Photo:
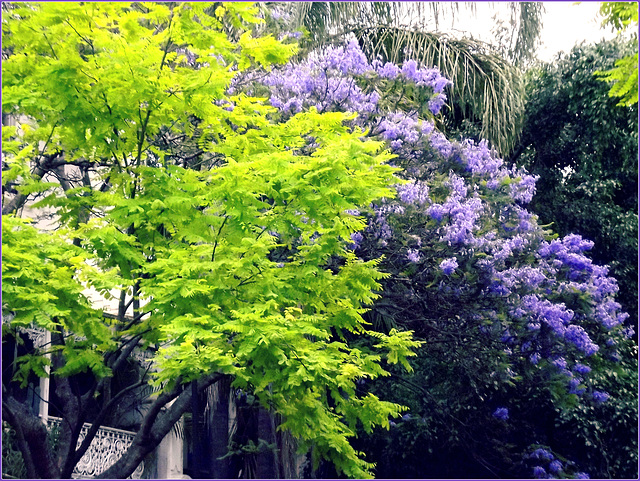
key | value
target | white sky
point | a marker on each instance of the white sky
(565, 24)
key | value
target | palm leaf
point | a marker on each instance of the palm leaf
(527, 19)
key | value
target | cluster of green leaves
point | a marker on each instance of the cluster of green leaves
(624, 75)
(12, 462)
(239, 266)
(42, 286)
(116, 73)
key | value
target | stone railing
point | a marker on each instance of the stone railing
(105, 450)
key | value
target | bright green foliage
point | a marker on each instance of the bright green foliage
(41, 285)
(625, 80)
(241, 265)
(621, 16)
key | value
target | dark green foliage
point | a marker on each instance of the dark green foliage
(12, 462)
(613, 452)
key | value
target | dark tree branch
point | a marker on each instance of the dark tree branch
(95, 426)
(19, 200)
(156, 426)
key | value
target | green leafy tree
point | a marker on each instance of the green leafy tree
(220, 232)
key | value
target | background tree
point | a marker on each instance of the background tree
(624, 75)
(227, 256)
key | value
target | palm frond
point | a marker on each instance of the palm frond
(326, 20)
(486, 87)
(529, 25)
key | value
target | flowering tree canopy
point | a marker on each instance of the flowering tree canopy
(473, 274)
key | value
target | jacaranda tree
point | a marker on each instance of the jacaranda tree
(220, 230)
(519, 326)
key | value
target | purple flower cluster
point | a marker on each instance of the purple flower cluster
(544, 458)
(413, 255)
(447, 266)
(600, 396)
(413, 192)
(399, 128)
(421, 77)
(484, 165)
(326, 80)
(501, 413)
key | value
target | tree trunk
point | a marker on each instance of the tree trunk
(218, 423)
(266, 459)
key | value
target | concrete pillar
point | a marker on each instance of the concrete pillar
(169, 457)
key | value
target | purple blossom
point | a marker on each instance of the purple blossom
(560, 363)
(413, 255)
(414, 192)
(464, 216)
(457, 185)
(525, 189)
(410, 70)
(436, 211)
(389, 70)
(542, 453)
(441, 144)
(479, 158)
(555, 466)
(399, 126)
(574, 386)
(579, 337)
(356, 237)
(556, 316)
(575, 243)
(285, 35)
(539, 472)
(426, 127)
(436, 103)
(581, 368)
(449, 265)
(600, 396)
(501, 413)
